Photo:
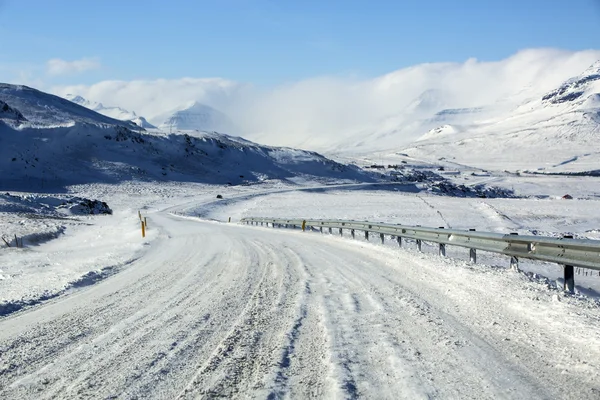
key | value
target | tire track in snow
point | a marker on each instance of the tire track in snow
(237, 312)
(253, 347)
(416, 344)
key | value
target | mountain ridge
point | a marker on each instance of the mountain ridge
(64, 144)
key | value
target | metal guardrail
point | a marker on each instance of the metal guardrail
(566, 250)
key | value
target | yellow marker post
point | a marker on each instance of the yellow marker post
(303, 226)
(143, 230)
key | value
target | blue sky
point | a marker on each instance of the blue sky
(271, 42)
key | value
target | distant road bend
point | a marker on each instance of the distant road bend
(223, 310)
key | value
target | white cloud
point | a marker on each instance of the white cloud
(56, 66)
(315, 113)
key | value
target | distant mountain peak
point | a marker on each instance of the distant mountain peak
(76, 99)
(113, 112)
(198, 116)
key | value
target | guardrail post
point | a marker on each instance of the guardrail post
(569, 274)
(382, 237)
(321, 229)
(442, 247)
(419, 245)
(514, 261)
(473, 252)
(341, 232)
(399, 240)
(330, 232)
(352, 233)
(367, 236)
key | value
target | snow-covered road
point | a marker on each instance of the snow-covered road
(216, 309)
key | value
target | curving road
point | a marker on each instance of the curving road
(223, 310)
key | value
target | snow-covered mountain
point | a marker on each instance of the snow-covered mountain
(113, 112)
(556, 132)
(197, 117)
(59, 143)
(547, 131)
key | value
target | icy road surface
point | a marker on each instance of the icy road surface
(236, 311)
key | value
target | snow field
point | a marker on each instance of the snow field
(206, 308)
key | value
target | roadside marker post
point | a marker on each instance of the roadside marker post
(143, 229)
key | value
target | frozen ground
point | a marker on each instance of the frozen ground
(203, 308)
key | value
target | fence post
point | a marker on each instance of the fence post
(442, 247)
(569, 275)
(473, 252)
(514, 261)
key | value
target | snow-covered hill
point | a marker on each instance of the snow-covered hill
(544, 131)
(197, 117)
(62, 143)
(45, 110)
(556, 132)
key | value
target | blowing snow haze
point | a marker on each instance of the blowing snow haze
(333, 113)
